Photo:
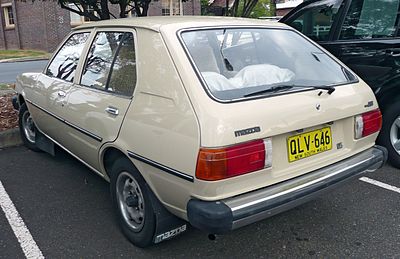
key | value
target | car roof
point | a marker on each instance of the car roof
(181, 22)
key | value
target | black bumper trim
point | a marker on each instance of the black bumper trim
(214, 217)
(232, 213)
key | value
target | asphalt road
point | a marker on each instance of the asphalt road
(9, 71)
(68, 211)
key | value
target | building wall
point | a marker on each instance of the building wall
(190, 7)
(285, 6)
(154, 8)
(283, 12)
(42, 25)
(2, 39)
(11, 41)
(57, 24)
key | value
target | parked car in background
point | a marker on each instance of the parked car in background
(194, 120)
(365, 35)
(270, 18)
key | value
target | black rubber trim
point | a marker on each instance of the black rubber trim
(385, 154)
(161, 167)
(14, 101)
(87, 133)
(214, 217)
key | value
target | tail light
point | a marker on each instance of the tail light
(367, 123)
(221, 163)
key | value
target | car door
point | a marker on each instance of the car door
(363, 34)
(367, 40)
(49, 97)
(97, 104)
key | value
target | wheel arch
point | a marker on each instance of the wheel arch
(387, 98)
(21, 99)
(111, 153)
(108, 156)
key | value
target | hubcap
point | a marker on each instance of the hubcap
(130, 201)
(394, 135)
(28, 126)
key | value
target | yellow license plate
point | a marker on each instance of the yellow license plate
(309, 144)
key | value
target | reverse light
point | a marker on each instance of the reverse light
(367, 123)
(221, 163)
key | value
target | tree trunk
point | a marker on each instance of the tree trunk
(104, 10)
(272, 7)
(122, 9)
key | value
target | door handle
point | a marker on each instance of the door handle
(61, 94)
(395, 52)
(112, 110)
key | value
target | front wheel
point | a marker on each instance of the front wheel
(131, 198)
(27, 128)
(389, 136)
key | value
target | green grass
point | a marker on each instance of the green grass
(10, 54)
(6, 86)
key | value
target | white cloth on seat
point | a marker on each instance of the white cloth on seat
(253, 75)
(217, 82)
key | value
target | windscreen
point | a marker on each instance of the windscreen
(237, 62)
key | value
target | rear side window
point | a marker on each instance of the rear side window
(111, 64)
(64, 64)
(369, 19)
(316, 22)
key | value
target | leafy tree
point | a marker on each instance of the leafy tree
(243, 8)
(261, 9)
(253, 8)
(204, 6)
(97, 10)
(272, 7)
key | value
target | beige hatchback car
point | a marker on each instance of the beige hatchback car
(217, 122)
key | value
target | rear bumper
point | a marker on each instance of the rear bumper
(235, 212)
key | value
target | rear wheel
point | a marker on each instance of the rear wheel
(389, 136)
(131, 198)
(27, 128)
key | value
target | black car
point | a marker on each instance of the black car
(365, 35)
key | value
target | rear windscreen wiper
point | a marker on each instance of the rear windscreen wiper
(278, 88)
(270, 90)
(330, 89)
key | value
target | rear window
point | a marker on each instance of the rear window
(234, 63)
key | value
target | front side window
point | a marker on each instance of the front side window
(64, 64)
(111, 65)
(369, 19)
(237, 62)
(316, 22)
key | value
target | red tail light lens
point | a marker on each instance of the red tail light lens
(368, 123)
(216, 164)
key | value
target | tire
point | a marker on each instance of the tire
(389, 136)
(131, 199)
(27, 128)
